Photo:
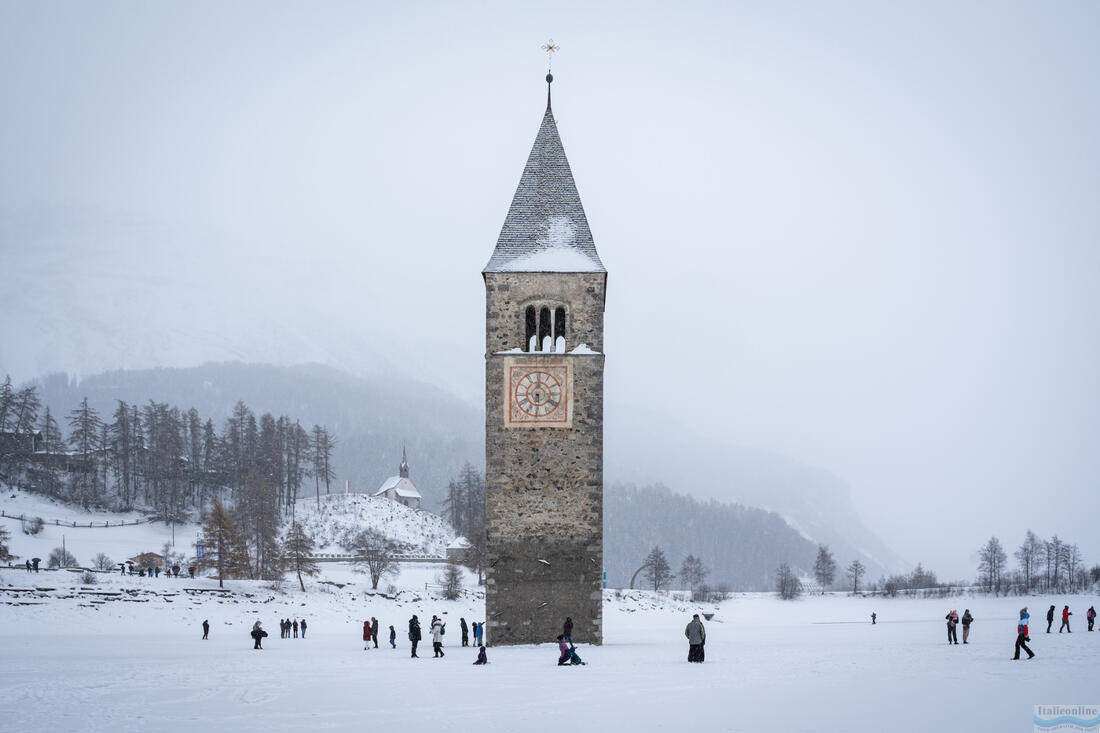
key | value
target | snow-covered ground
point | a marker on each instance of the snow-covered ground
(125, 655)
(137, 663)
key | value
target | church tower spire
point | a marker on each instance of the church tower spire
(403, 470)
(544, 368)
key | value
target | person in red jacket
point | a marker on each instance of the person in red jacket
(1065, 621)
(366, 635)
(1022, 634)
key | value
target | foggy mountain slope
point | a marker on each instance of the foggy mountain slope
(371, 418)
(642, 447)
(740, 546)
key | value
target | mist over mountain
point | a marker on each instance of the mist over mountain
(373, 418)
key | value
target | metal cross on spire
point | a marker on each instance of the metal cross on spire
(550, 48)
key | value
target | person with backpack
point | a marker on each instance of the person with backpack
(414, 634)
(952, 619)
(366, 635)
(481, 657)
(374, 630)
(258, 635)
(393, 638)
(438, 629)
(1050, 617)
(697, 638)
(465, 632)
(1022, 636)
(1065, 621)
(967, 619)
(1090, 616)
(205, 629)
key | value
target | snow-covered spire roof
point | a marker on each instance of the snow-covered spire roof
(403, 469)
(546, 229)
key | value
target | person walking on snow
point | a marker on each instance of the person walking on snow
(567, 629)
(1050, 618)
(414, 633)
(1090, 616)
(366, 635)
(303, 628)
(205, 629)
(374, 630)
(393, 638)
(967, 619)
(294, 625)
(952, 619)
(465, 632)
(697, 638)
(437, 637)
(873, 617)
(1065, 621)
(1022, 634)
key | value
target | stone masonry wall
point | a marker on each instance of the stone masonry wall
(544, 485)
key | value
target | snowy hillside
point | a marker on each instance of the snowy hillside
(113, 534)
(117, 536)
(418, 532)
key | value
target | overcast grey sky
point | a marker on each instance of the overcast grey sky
(861, 234)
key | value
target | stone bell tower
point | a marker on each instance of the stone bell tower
(544, 303)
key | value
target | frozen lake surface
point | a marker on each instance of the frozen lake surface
(815, 664)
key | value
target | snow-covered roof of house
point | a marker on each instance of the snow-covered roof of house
(402, 485)
(460, 543)
(546, 229)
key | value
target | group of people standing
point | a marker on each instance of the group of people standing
(953, 621)
(290, 626)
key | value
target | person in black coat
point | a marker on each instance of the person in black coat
(414, 633)
(1050, 618)
(205, 629)
(258, 634)
(567, 629)
(465, 631)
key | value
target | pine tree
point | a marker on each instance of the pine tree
(84, 439)
(298, 553)
(658, 572)
(824, 567)
(222, 538)
(855, 572)
(52, 445)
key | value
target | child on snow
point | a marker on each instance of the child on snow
(481, 658)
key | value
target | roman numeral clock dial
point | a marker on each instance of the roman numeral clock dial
(538, 394)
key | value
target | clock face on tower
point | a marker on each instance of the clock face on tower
(538, 393)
